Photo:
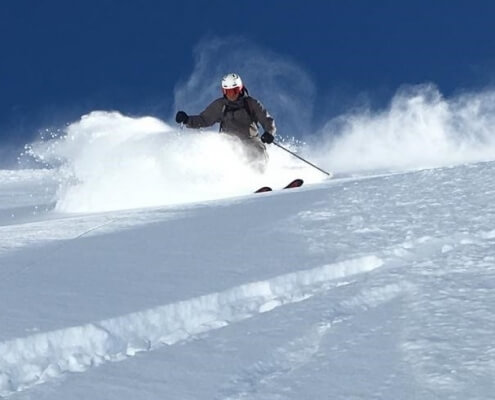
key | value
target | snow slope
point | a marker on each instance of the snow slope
(377, 287)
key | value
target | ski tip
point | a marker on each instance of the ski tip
(263, 189)
(294, 184)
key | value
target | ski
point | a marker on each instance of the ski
(264, 189)
(294, 184)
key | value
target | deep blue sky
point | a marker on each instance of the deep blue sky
(61, 59)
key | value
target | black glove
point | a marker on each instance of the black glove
(181, 117)
(267, 138)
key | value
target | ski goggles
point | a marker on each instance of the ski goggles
(233, 91)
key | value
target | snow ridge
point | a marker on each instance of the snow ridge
(35, 359)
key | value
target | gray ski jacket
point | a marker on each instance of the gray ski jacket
(239, 118)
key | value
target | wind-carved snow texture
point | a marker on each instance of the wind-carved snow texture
(450, 260)
(450, 357)
(42, 357)
(254, 381)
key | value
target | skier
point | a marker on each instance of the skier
(238, 115)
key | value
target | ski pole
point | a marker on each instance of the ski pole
(302, 159)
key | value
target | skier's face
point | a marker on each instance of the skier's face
(232, 94)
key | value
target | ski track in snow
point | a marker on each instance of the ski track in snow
(255, 381)
(17, 236)
(45, 356)
(445, 357)
(438, 246)
(425, 263)
(424, 345)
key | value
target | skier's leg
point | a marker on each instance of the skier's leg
(257, 156)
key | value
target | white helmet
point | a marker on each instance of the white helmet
(231, 81)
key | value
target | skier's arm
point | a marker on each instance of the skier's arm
(262, 116)
(211, 115)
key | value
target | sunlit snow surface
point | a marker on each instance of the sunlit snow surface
(139, 265)
(377, 287)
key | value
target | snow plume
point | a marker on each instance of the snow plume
(420, 129)
(280, 84)
(108, 161)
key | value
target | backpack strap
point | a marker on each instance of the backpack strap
(250, 110)
(224, 111)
